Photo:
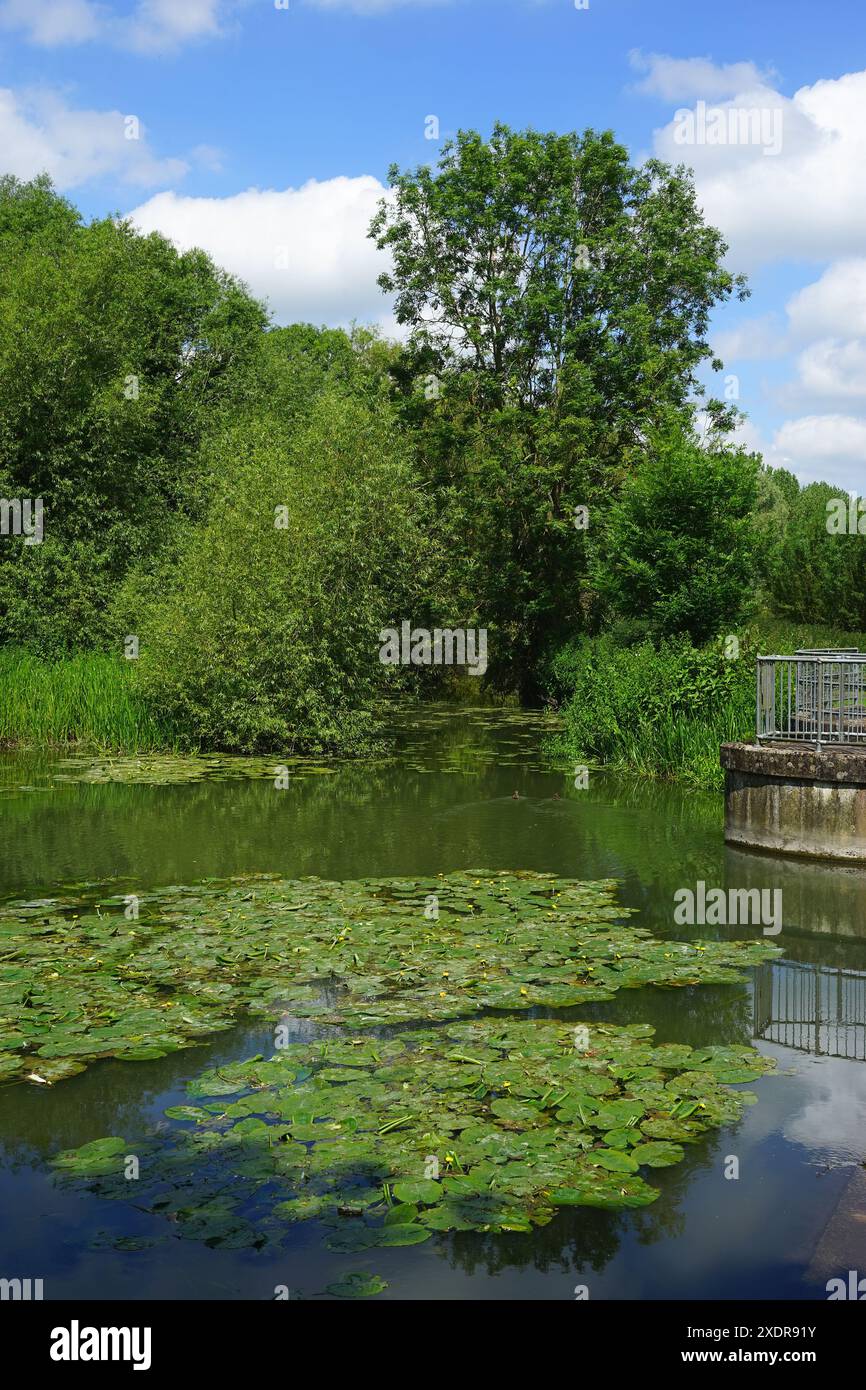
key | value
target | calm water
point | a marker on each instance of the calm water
(786, 1225)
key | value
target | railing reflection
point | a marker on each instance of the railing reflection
(811, 1008)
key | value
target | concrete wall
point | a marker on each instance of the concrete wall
(796, 800)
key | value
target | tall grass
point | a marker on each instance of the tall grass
(682, 748)
(663, 711)
(88, 698)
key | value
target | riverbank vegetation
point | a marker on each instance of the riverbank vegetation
(663, 708)
(88, 697)
(232, 511)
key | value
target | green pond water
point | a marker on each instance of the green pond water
(82, 831)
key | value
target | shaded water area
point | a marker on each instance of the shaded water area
(444, 801)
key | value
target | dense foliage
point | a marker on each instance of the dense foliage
(677, 551)
(812, 573)
(559, 298)
(253, 505)
(268, 624)
(115, 351)
(663, 709)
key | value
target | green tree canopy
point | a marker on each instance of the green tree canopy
(814, 574)
(115, 352)
(677, 551)
(559, 298)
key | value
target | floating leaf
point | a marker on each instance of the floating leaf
(353, 1168)
(658, 1154)
(357, 1285)
(422, 1190)
(615, 1160)
(96, 985)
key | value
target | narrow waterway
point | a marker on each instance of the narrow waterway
(445, 801)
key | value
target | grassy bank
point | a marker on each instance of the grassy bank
(89, 698)
(663, 711)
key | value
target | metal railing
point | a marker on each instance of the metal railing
(811, 1008)
(814, 696)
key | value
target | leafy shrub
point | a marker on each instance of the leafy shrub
(663, 710)
(267, 636)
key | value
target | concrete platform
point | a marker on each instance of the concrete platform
(788, 799)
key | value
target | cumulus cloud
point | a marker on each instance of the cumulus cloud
(830, 370)
(825, 329)
(827, 448)
(40, 132)
(305, 250)
(153, 26)
(63, 22)
(825, 326)
(834, 305)
(678, 79)
(159, 24)
(801, 195)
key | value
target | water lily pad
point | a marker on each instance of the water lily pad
(422, 1190)
(658, 1154)
(99, 1156)
(359, 1179)
(357, 1285)
(88, 983)
(614, 1160)
(404, 1233)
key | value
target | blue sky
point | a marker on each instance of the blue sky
(265, 133)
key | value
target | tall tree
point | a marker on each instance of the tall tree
(558, 299)
(115, 353)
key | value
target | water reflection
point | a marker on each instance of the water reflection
(811, 1008)
(445, 803)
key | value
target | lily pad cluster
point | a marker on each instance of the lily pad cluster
(78, 984)
(163, 769)
(484, 1125)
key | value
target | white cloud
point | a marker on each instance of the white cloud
(159, 24)
(678, 79)
(153, 26)
(208, 157)
(304, 249)
(834, 305)
(829, 370)
(826, 394)
(40, 132)
(63, 21)
(828, 448)
(807, 201)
